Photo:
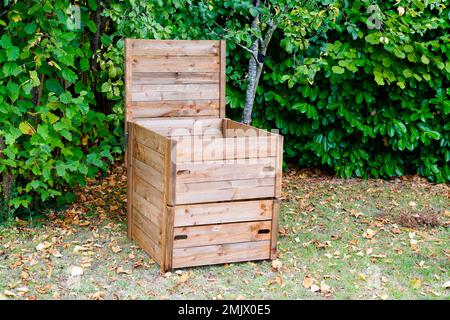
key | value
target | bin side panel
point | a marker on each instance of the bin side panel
(147, 191)
(174, 78)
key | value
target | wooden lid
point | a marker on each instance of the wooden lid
(174, 78)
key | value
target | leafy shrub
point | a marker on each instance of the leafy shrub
(53, 135)
(362, 101)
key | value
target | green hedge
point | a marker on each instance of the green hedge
(363, 102)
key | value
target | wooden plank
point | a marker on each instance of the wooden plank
(279, 167)
(174, 64)
(223, 77)
(168, 92)
(185, 237)
(150, 138)
(223, 212)
(152, 230)
(168, 218)
(175, 108)
(149, 174)
(168, 240)
(175, 47)
(128, 82)
(149, 157)
(149, 192)
(275, 221)
(170, 127)
(205, 149)
(223, 253)
(204, 171)
(148, 209)
(202, 192)
(237, 129)
(147, 244)
(158, 78)
(130, 180)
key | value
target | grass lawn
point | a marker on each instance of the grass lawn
(339, 239)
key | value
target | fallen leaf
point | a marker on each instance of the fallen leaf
(324, 288)
(416, 283)
(99, 295)
(44, 245)
(116, 249)
(369, 233)
(277, 264)
(315, 288)
(9, 293)
(308, 282)
(76, 271)
(121, 270)
(183, 278)
(77, 249)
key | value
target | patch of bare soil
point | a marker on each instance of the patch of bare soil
(424, 218)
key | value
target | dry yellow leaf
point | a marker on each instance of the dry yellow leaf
(307, 282)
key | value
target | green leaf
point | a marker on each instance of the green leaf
(424, 59)
(13, 90)
(69, 75)
(26, 128)
(338, 70)
(12, 53)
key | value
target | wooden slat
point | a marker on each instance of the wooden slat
(150, 139)
(130, 179)
(183, 127)
(228, 148)
(223, 212)
(174, 64)
(212, 234)
(158, 78)
(233, 252)
(168, 217)
(175, 108)
(146, 243)
(224, 190)
(279, 167)
(275, 221)
(152, 230)
(128, 82)
(168, 92)
(170, 48)
(149, 157)
(204, 171)
(223, 77)
(148, 209)
(149, 174)
(149, 192)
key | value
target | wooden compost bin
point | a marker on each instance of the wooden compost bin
(202, 189)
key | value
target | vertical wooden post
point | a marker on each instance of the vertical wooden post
(275, 217)
(223, 78)
(130, 179)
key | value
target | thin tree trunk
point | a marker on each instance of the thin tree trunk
(7, 178)
(255, 68)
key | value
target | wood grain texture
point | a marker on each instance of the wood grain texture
(223, 253)
(189, 74)
(222, 212)
(175, 108)
(177, 48)
(223, 77)
(275, 222)
(130, 179)
(185, 237)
